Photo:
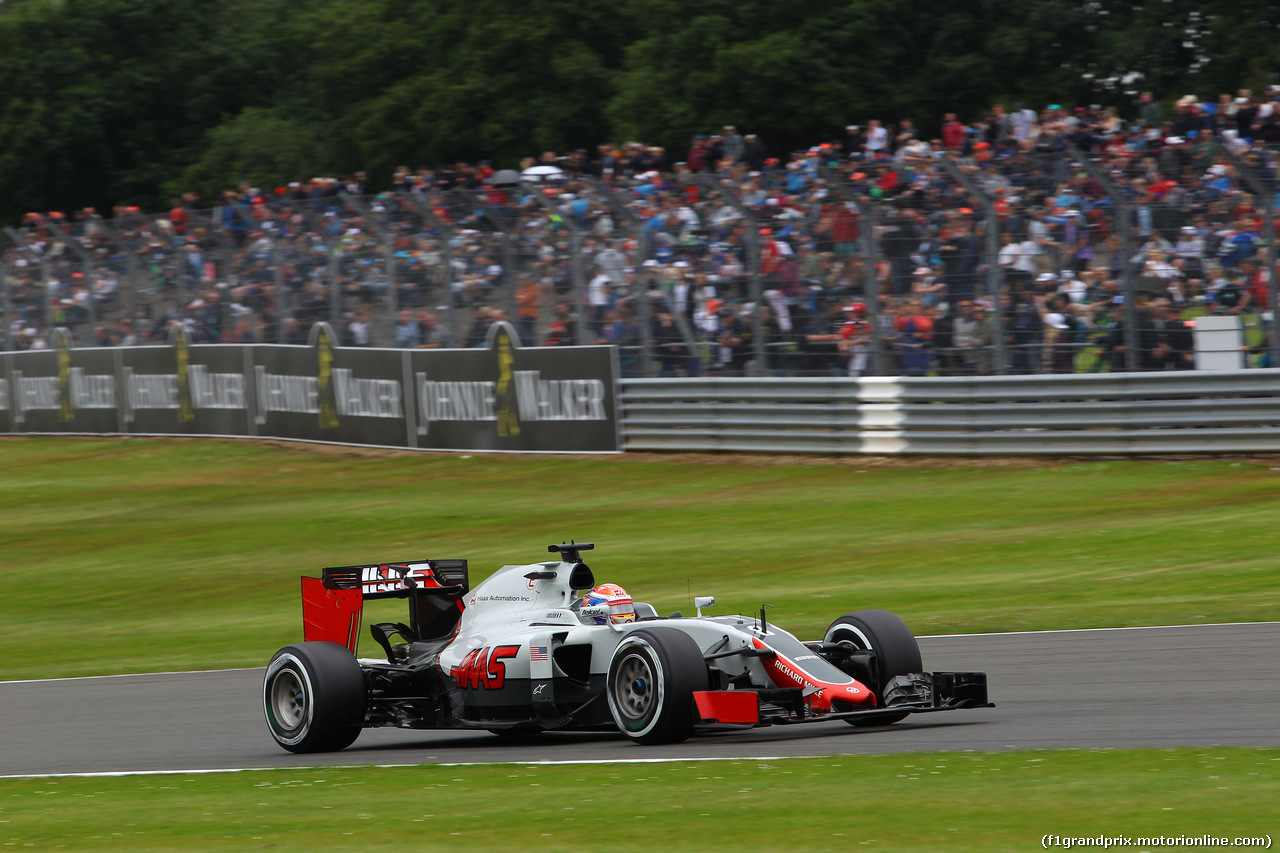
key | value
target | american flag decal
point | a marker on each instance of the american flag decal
(537, 653)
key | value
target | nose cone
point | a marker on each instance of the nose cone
(847, 697)
(856, 693)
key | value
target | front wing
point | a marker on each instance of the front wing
(917, 693)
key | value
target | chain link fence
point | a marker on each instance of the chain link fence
(1011, 259)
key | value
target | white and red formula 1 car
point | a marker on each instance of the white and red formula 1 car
(521, 653)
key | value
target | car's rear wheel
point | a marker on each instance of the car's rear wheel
(897, 652)
(652, 677)
(314, 697)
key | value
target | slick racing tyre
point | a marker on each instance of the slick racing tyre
(314, 697)
(889, 637)
(652, 677)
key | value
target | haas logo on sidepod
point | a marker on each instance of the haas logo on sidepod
(480, 668)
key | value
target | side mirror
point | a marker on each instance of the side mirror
(704, 601)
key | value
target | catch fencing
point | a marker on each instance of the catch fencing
(729, 273)
(1101, 414)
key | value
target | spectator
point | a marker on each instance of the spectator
(528, 310)
(754, 152)
(433, 334)
(944, 345)
(698, 158)
(668, 344)
(877, 139)
(973, 336)
(1148, 111)
(954, 134)
(1060, 327)
(854, 142)
(960, 257)
(1024, 329)
(734, 341)
(408, 333)
(1044, 249)
(1023, 123)
(822, 341)
(731, 144)
(855, 338)
(915, 339)
(927, 286)
(358, 329)
(1165, 340)
(1016, 259)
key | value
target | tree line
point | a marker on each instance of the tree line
(110, 102)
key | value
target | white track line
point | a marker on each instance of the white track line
(129, 674)
(1093, 630)
(325, 767)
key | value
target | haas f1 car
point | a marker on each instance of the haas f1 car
(523, 653)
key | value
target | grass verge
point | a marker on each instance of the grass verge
(926, 801)
(129, 555)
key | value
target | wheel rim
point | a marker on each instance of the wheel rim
(288, 699)
(633, 691)
(848, 632)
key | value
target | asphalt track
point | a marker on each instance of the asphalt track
(1209, 685)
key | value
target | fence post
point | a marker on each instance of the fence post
(1126, 250)
(385, 234)
(8, 303)
(645, 315)
(136, 295)
(870, 282)
(509, 222)
(445, 240)
(86, 264)
(230, 278)
(575, 257)
(277, 278)
(755, 286)
(1268, 195)
(992, 237)
(331, 267)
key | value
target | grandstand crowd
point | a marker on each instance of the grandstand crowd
(862, 254)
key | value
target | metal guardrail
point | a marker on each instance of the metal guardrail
(1173, 412)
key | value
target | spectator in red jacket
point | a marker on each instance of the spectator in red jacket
(953, 133)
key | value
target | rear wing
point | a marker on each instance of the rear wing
(333, 603)
(402, 579)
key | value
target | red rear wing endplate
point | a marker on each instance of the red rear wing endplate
(330, 614)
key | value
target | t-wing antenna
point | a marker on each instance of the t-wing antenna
(569, 553)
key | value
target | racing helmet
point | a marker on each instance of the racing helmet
(856, 307)
(620, 607)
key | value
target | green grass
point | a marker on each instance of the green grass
(926, 801)
(142, 555)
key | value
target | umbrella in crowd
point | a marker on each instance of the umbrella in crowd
(542, 173)
(503, 178)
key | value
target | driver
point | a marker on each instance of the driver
(620, 607)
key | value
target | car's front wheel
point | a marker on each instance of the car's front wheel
(314, 697)
(895, 646)
(652, 678)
